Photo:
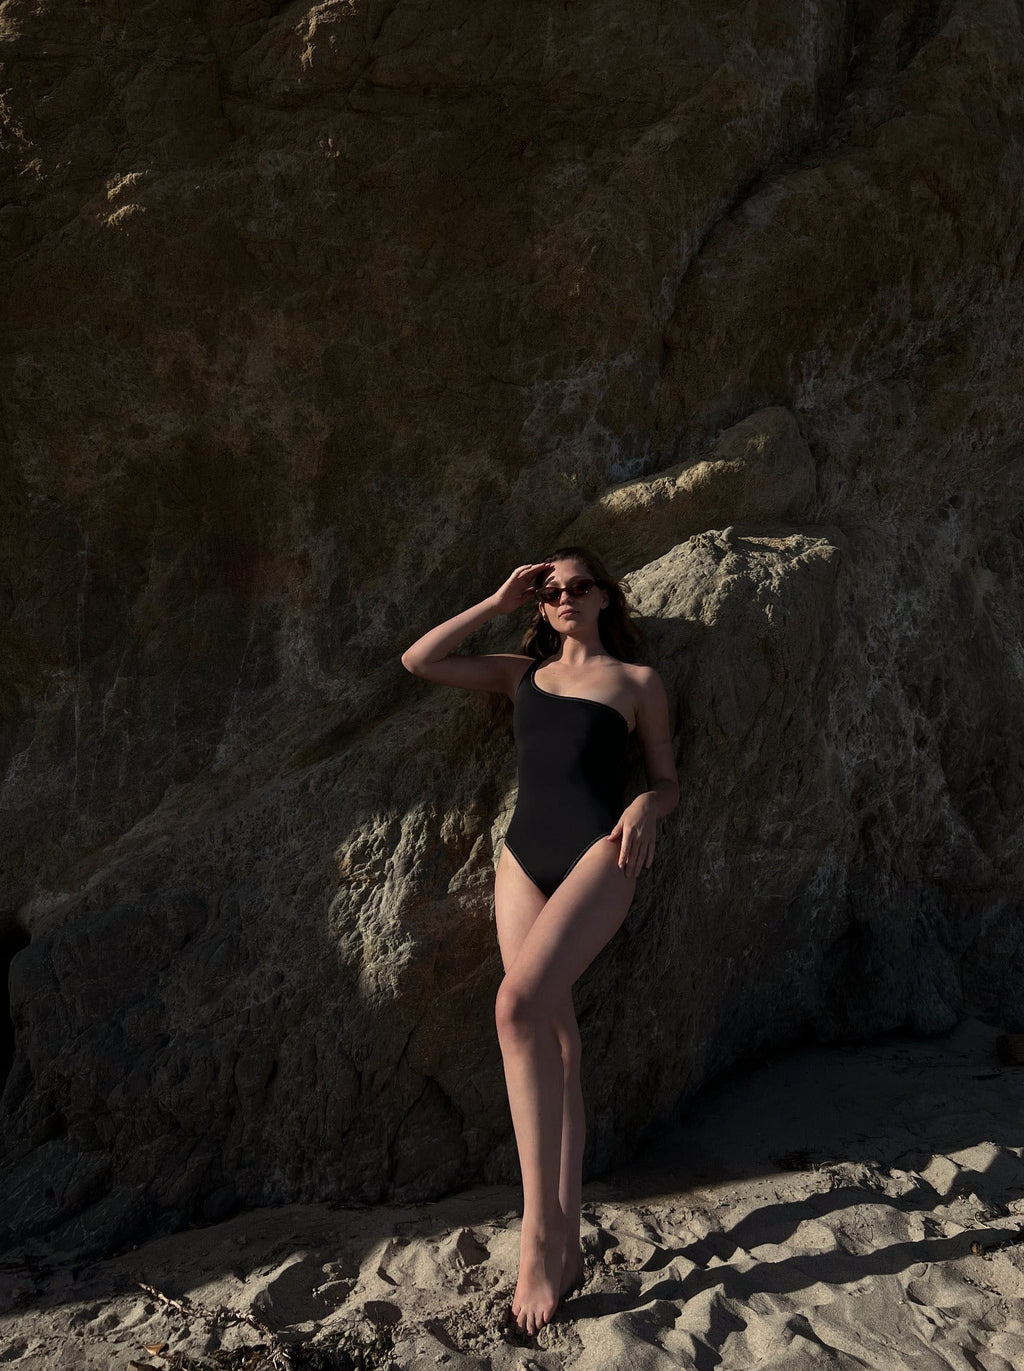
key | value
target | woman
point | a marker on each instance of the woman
(568, 867)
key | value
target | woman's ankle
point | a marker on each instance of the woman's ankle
(545, 1232)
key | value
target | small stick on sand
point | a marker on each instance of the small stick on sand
(189, 1309)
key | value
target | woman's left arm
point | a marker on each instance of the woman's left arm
(636, 828)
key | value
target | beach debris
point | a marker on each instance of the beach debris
(803, 1159)
(1012, 1238)
(278, 1355)
(341, 1350)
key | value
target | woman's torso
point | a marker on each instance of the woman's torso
(571, 749)
(572, 778)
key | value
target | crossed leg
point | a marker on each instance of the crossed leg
(545, 946)
(517, 904)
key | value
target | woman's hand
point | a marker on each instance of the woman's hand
(518, 588)
(636, 830)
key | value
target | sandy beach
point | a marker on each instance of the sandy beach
(843, 1207)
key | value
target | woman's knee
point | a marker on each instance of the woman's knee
(518, 1007)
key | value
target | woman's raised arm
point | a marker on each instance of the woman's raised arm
(434, 658)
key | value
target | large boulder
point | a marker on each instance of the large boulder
(318, 319)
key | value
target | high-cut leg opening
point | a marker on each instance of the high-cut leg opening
(533, 879)
(526, 870)
(592, 843)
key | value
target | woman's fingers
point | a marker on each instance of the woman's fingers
(522, 576)
(626, 855)
(635, 854)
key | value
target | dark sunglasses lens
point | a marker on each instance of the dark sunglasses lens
(551, 595)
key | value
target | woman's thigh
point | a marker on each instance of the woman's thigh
(572, 927)
(517, 903)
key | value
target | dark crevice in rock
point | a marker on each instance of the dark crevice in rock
(12, 941)
(869, 59)
(920, 29)
(876, 56)
(223, 81)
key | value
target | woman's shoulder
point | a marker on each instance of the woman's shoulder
(647, 687)
(640, 674)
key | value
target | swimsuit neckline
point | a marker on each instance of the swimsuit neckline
(580, 699)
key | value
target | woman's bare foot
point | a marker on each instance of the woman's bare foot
(572, 1267)
(540, 1270)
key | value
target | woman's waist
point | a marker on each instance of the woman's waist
(553, 798)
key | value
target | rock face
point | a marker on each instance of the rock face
(318, 319)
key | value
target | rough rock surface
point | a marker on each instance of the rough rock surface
(318, 318)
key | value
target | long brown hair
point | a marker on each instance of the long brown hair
(615, 627)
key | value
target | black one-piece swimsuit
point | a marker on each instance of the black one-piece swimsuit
(572, 779)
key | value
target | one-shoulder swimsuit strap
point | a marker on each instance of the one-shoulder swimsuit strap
(572, 778)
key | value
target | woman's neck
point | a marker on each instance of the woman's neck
(576, 653)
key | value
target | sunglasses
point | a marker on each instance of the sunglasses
(550, 595)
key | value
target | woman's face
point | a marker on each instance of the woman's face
(571, 613)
